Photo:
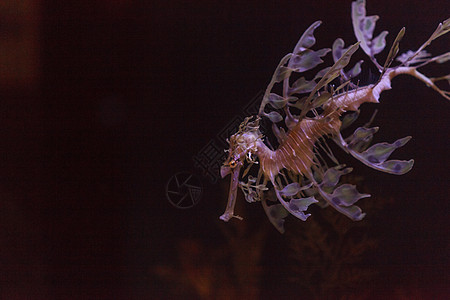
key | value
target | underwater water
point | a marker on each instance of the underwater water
(131, 92)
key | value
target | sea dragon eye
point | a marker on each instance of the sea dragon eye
(233, 163)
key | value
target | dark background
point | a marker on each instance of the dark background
(131, 90)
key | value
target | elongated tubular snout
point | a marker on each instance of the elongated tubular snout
(229, 212)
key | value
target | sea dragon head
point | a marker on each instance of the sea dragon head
(243, 147)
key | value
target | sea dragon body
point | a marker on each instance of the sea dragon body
(295, 169)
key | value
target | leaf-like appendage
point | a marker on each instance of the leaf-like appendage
(398, 167)
(341, 63)
(299, 103)
(332, 176)
(279, 133)
(442, 29)
(446, 77)
(307, 40)
(347, 195)
(355, 71)
(338, 45)
(302, 85)
(290, 122)
(274, 117)
(367, 26)
(361, 138)
(251, 196)
(276, 214)
(307, 59)
(375, 157)
(406, 58)
(353, 212)
(324, 97)
(343, 198)
(349, 119)
(301, 204)
(282, 73)
(338, 49)
(378, 153)
(394, 49)
(443, 58)
(364, 26)
(334, 71)
(277, 101)
(322, 73)
(379, 43)
(297, 206)
(291, 189)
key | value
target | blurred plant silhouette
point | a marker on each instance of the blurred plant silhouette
(328, 251)
(227, 271)
(320, 257)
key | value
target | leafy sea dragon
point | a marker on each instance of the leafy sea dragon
(296, 174)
